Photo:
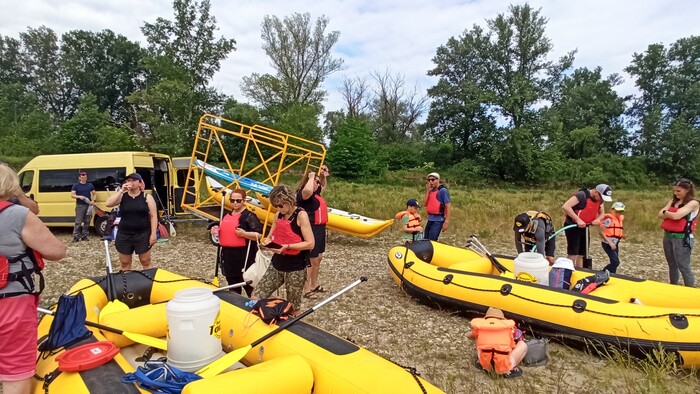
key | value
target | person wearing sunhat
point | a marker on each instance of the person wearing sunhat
(611, 232)
(437, 206)
(534, 228)
(411, 221)
(499, 344)
(139, 220)
(84, 195)
(583, 209)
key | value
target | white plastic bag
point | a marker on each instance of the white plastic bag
(256, 271)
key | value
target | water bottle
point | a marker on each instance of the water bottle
(250, 303)
(215, 234)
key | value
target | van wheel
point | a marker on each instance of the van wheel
(100, 223)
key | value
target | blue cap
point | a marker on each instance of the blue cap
(412, 203)
(134, 176)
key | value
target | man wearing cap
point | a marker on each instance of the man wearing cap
(437, 205)
(611, 232)
(139, 220)
(84, 195)
(499, 344)
(534, 228)
(411, 220)
(584, 208)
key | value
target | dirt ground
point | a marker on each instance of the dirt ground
(381, 317)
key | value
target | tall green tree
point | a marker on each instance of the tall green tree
(666, 113)
(352, 155)
(105, 64)
(183, 57)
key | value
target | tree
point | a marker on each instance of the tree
(591, 114)
(395, 110)
(355, 92)
(301, 57)
(352, 153)
(106, 65)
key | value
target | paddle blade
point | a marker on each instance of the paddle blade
(112, 307)
(146, 340)
(224, 362)
(215, 281)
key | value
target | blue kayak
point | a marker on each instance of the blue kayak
(230, 177)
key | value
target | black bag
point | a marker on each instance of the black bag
(536, 352)
(273, 310)
(590, 283)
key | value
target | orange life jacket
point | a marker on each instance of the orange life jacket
(679, 225)
(285, 233)
(413, 218)
(227, 232)
(321, 214)
(587, 210)
(614, 230)
(494, 340)
(434, 206)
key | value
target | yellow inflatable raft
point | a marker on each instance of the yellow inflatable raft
(299, 359)
(630, 313)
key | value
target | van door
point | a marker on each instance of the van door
(162, 184)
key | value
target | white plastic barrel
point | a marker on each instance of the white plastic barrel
(194, 337)
(534, 264)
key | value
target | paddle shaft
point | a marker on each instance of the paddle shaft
(111, 290)
(215, 367)
(495, 262)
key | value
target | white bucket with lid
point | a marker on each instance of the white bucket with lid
(194, 336)
(533, 264)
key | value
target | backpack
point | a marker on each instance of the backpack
(560, 278)
(273, 310)
(590, 283)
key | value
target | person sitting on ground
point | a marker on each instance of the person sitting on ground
(611, 234)
(410, 218)
(499, 343)
(533, 228)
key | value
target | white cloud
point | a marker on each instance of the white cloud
(400, 35)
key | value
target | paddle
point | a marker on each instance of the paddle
(216, 367)
(215, 281)
(114, 305)
(493, 260)
(140, 338)
(588, 260)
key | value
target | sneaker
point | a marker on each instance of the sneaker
(76, 239)
(84, 238)
(514, 373)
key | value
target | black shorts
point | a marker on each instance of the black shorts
(576, 241)
(126, 243)
(319, 240)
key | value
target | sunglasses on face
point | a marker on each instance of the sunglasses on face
(432, 179)
(237, 200)
(279, 206)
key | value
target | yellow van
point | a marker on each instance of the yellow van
(48, 179)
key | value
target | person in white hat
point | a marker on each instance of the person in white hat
(437, 206)
(584, 208)
(611, 232)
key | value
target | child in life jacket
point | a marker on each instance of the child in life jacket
(411, 221)
(611, 232)
(496, 346)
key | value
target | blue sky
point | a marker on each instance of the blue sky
(400, 36)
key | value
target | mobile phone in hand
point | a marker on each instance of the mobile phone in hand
(272, 245)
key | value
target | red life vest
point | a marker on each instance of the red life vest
(679, 225)
(321, 214)
(494, 339)
(25, 274)
(413, 219)
(284, 233)
(434, 206)
(587, 210)
(615, 228)
(227, 232)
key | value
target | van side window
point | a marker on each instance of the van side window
(106, 178)
(146, 174)
(25, 180)
(53, 181)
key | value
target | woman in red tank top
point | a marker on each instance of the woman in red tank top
(290, 239)
(238, 235)
(679, 219)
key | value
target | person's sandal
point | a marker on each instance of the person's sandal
(514, 373)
